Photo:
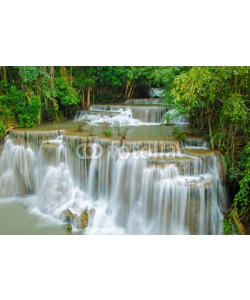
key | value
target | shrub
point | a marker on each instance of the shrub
(122, 130)
(23, 107)
(106, 129)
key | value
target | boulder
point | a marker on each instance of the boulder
(83, 219)
(69, 227)
(70, 216)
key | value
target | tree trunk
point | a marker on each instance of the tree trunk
(39, 116)
(93, 95)
(83, 101)
(52, 77)
(88, 95)
(130, 91)
(4, 74)
(210, 131)
(127, 90)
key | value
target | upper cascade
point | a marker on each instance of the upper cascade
(143, 101)
(124, 114)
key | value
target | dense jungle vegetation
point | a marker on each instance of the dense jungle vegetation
(217, 100)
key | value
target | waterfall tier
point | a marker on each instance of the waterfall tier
(135, 187)
(143, 101)
(132, 115)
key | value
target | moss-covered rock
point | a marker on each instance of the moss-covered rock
(69, 227)
(69, 215)
(83, 220)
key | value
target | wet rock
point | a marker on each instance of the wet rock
(70, 216)
(83, 220)
(69, 227)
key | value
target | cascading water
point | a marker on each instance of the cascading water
(16, 170)
(131, 115)
(174, 117)
(134, 187)
(195, 143)
(143, 101)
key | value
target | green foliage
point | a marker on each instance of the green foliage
(106, 129)
(24, 107)
(2, 128)
(217, 101)
(242, 199)
(29, 74)
(179, 134)
(167, 118)
(66, 95)
(6, 117)
(28, 117)
(171, 115)
(235, 110)
(229, 227)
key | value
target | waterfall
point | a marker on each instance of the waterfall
(134, 187)
(195, 143)
(132, 115)
(174, 117)
(16, 170)
(143, 101)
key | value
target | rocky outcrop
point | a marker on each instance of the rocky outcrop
(83, 220)
(69, 215)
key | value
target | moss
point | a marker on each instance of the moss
(69, 227)
(84, 219)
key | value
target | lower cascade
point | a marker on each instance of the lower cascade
(105, 186)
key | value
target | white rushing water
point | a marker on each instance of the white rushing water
(134, 187)
(123, 115)
(174, 117)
